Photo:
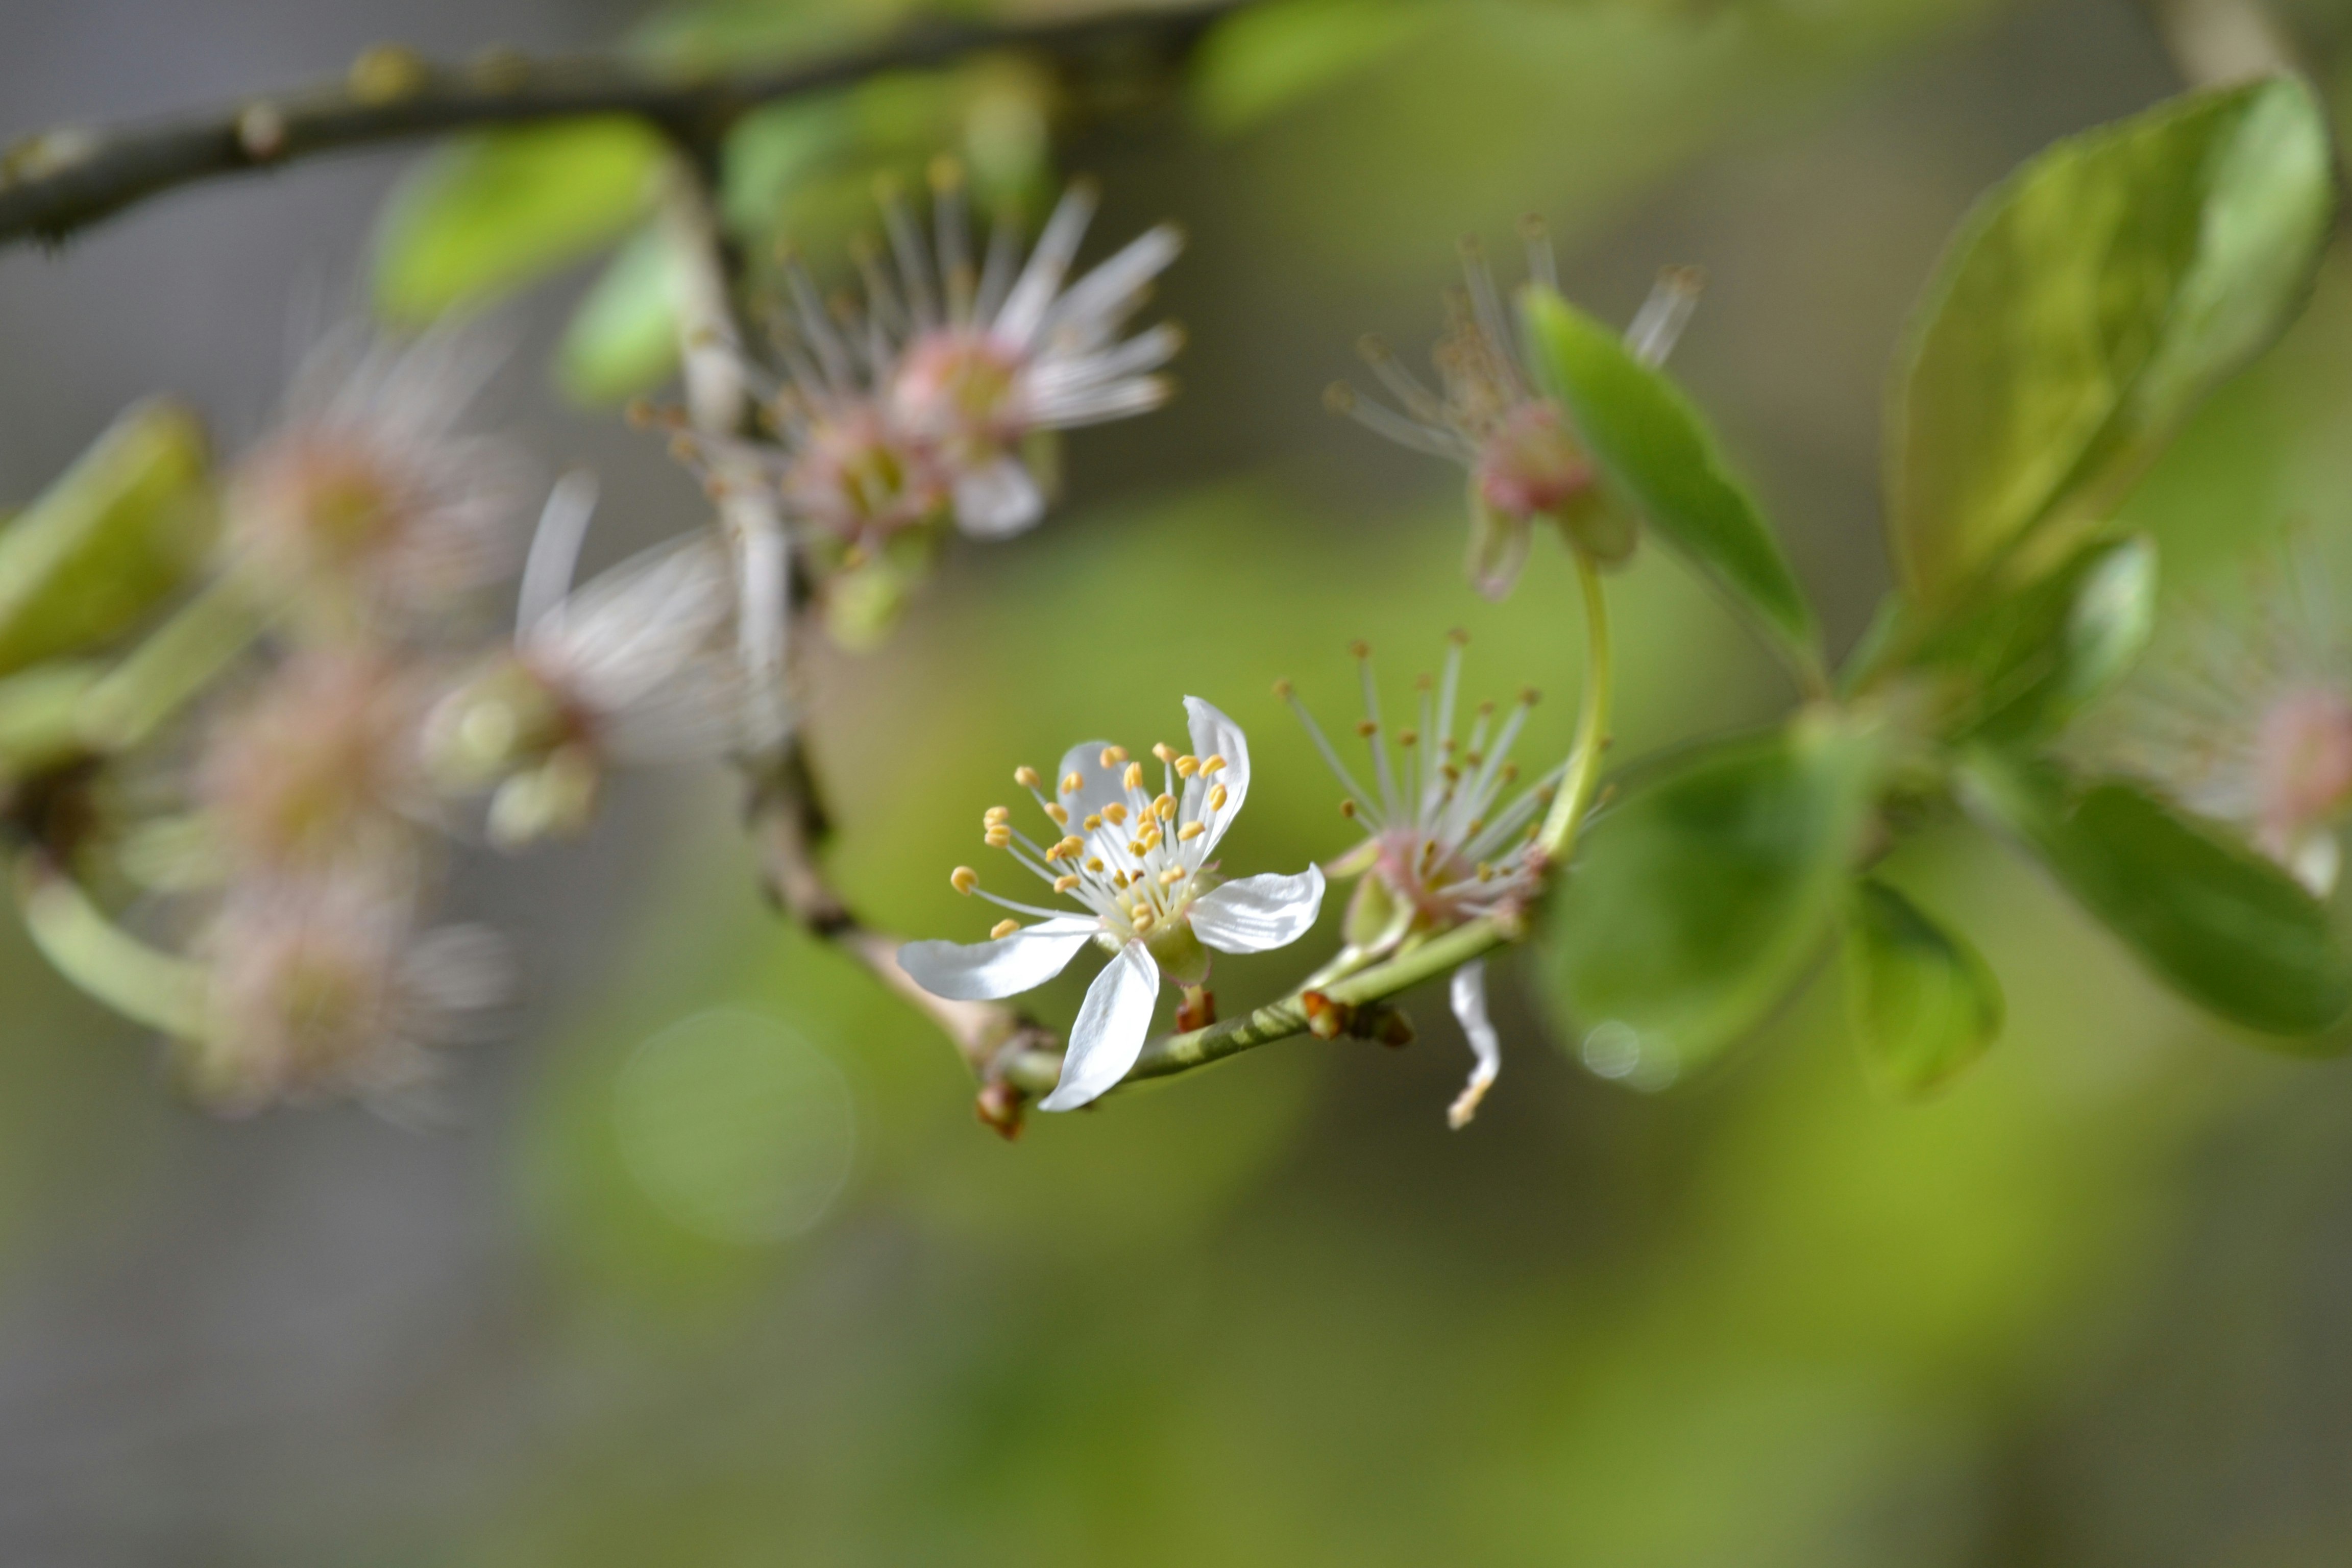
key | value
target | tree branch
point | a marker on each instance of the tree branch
(59, 181)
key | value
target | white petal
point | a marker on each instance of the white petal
(1214, 735)
(1108, 1035)
(1025, 307)
(1469, 998)
(984, 971)
(998, 500)
(1097, 786)
(1259, 914)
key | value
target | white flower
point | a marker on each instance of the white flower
(1523, 458)
(368, 507)
(1449, 837)
(2246, 716)
(990, 359)
(1138, 862)
(632, 668)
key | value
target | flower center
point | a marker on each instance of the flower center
(2304, 750)
(855, 478)
(959, 382)
(1530, 464)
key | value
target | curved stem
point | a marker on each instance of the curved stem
(1557, 838)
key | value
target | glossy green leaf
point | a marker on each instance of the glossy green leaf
(2022, 666)
(1696, 904)
(486, 213)
(622, 339)
(1263, 58)
(114, 536)
(1656, 458)
(2221, 925)
(2082, 311)
(1923, 1003)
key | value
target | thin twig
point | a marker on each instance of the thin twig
(62, 180)
(786, 821)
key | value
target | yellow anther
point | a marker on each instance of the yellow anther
(1187, 765)
(1191, 831)
(1452, 775)
(1164, 808)
(1002, 930)
(1093, 822)
(1164, 751)
(1283, 689)
(1217, 798)
(1064, 884)
(1144, 921)
(963, 879)
(1408, 737)
(1133, 777)
(1113, 755)
(1137, 848)
(994, 815)
(1094, 864)
(1069, 846)
(1071, 783)
(1347, 809)
(1459, 638)
(1171, 876)
(1213, 764)
(1025, 776)
(1367, 729)
(1115, 813)
(1059, 814)
(1510, 772)
(1361, 649)
(998, 836)
(1486, 872)
(1530, 696)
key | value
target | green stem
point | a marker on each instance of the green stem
(1557, 838)
(158, 989)
(1037, 1071)
(178, 659)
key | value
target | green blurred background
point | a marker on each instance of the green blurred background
(709, 1264)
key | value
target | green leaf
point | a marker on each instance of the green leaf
(486, 213)
(2219, 923)
(1923, 1003)
(1261, 60)
(2021, 667)
(111, 538)
(1656, 458)
(2080, 311)
(622, 339)
(1696, 904)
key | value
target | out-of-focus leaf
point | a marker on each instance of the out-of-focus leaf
(622, 338)
(2219, 923)
(115, 535)
(1696, 904)
(1924, 1004)
(1261, 60)
(2024, 665)
(2082, 310)
(774, 152)
(489, 213)
(1656, 455)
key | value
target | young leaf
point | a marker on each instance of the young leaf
(2022, 666)
(2080, 311)
(1697, 903)
(1923, 1003)
(622, 339)
(1656, 458)
(489, 213)
(108, 540)
(2219, 923)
